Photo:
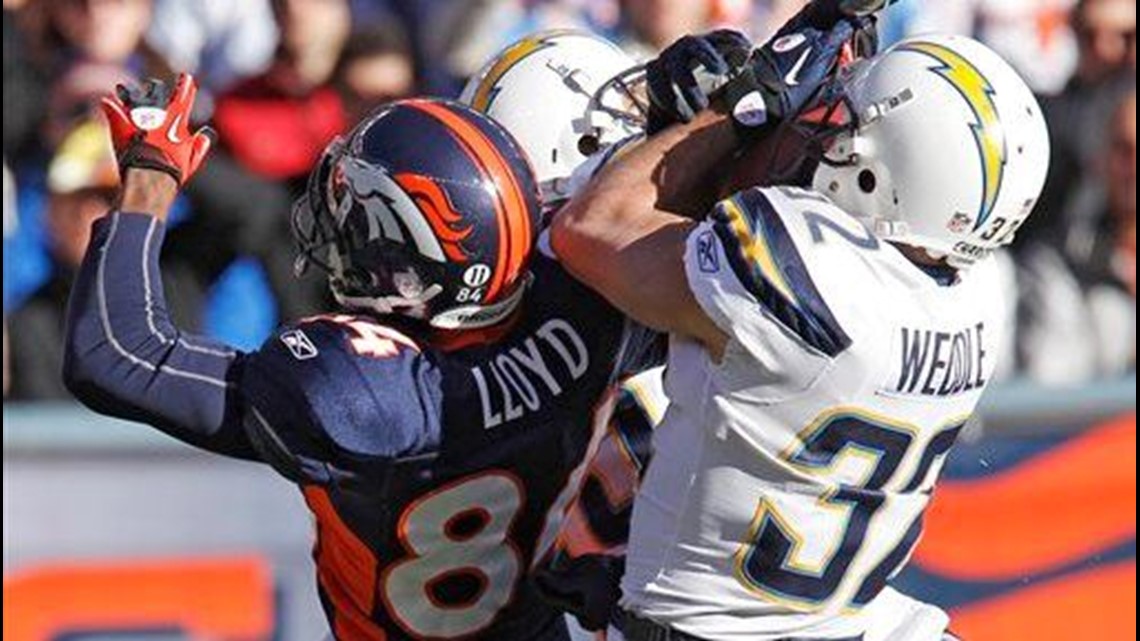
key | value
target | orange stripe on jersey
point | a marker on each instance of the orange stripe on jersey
(511, 205)
(347, 571)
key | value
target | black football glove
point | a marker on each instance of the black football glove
(789, 70)
(685, 75)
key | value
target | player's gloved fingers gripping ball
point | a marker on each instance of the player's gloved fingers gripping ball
(150, 128)
(788, 71)
(685, 75)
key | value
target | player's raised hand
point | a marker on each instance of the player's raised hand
(685, 75)
(150, 128)
(789, 70)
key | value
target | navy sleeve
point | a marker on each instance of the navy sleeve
(124, 357)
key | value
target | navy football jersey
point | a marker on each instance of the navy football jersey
(439, 479)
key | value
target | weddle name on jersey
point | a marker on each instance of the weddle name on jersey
(553, 358)
(941, 363)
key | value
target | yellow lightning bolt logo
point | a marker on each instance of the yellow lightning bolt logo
(988, 131)
(488, 88)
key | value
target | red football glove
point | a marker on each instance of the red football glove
(150, 128)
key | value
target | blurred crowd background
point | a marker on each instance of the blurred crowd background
(283, 77)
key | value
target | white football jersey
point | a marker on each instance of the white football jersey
(790, 478)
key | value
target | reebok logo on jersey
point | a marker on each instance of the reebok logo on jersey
(707, 258)
(299, 345)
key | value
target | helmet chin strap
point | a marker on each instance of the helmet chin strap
(470, 317)
(411, 307)
(481, 317)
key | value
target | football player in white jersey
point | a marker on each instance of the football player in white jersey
(828, 344)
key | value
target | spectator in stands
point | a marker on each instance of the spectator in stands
(221, 41)
(98, 31)
(375, 67)
(74, 98)
(1106, 252)
(10, 223)
(464, 34)
(273, 128)
(651, 25)
(23, 89)
(82, 181)
(1078, 312)
(277, 124)
(1074, 195)
(1034, 35)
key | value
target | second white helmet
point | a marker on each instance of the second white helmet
(548, 90)
(947, 149)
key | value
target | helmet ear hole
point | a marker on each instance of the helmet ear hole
(868, 182)
(589, 145)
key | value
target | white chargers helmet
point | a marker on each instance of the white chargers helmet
(565, 96)
(944, 149)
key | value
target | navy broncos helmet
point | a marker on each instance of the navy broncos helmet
(427, 209)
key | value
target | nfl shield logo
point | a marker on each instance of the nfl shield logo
(960, 224)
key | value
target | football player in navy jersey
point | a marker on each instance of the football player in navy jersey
(438, 423)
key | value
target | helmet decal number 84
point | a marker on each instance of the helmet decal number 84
(475, 278)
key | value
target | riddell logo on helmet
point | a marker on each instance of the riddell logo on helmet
(971, 250)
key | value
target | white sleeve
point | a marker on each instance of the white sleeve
(762, 351)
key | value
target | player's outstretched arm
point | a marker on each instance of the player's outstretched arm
(622, 237)
(123, 356)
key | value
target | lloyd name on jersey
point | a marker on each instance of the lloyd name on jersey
(509, 384)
